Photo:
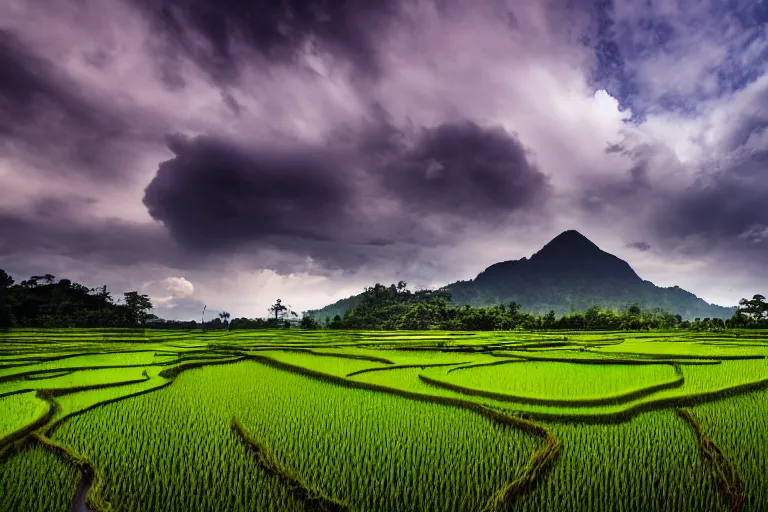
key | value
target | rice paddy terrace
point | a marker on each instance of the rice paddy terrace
(382, 421)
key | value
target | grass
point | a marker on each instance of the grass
(71, 379)
(19, 411)
(738, 426)
(338, 440)
(648, 463)
(36, 479)
(335, 420)
(543, 382)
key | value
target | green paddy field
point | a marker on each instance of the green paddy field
(138, 421)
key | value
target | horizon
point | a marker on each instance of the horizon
(215, 312)
(307, 155)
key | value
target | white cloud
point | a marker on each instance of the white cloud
(165, 291)
(605, 105)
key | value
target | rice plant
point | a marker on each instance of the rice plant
(739, 427)
(649, 463)
(375, 421)
(34, 479)
(372, 450)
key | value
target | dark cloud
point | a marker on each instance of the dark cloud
(279, 30)
(231, 103)
(635, 183)
(47, 119)
(638, 175)
(89, 88)
(467, 170)
(215, 194)
(728, 206)
(54, 229)
(640, 246)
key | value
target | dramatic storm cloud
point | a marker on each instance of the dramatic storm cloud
(359, 196)
(226, 153)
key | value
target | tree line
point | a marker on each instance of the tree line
(44, 301)
(395, 307)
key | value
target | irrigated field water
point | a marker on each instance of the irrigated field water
(136, 421)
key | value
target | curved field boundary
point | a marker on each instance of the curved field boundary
(307, 349)
(535, 470)
(724, 357)
(652, 404)
(49, 428)
(540, 461)
(526, 344)
(92, 485)
(22, 376)
(15, 392)
(69, 356)
(728, 480)
(26, 375)
(169, 375)
(493, 363)
(47, 395)
(608, 360)
(600, 343)
(619, 416)
(25, 361)
(616, 399)
(403, 366)
(562, 342)
(22, 432)
(341, 355)
(735, 343)
(43, 392)
(54, 374)
(90, 491)
(312, 499)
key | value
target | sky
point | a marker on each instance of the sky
(232, 152)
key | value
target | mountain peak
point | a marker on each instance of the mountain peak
(569, 242)
(569, 273)
(572, 253)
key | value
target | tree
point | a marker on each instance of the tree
(31, 282)
(277, 308)
(738, 319)
(756, 308)
(549, 320)
(6, 281)
(6, 314)
(309, 322)
(336, 323)
(514, 308)
(225, 318)
(49, 278)
(138, 306)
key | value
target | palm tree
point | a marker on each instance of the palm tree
(225, 318)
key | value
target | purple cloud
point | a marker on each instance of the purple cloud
(350, 142)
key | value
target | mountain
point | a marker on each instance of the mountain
(570, 273)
